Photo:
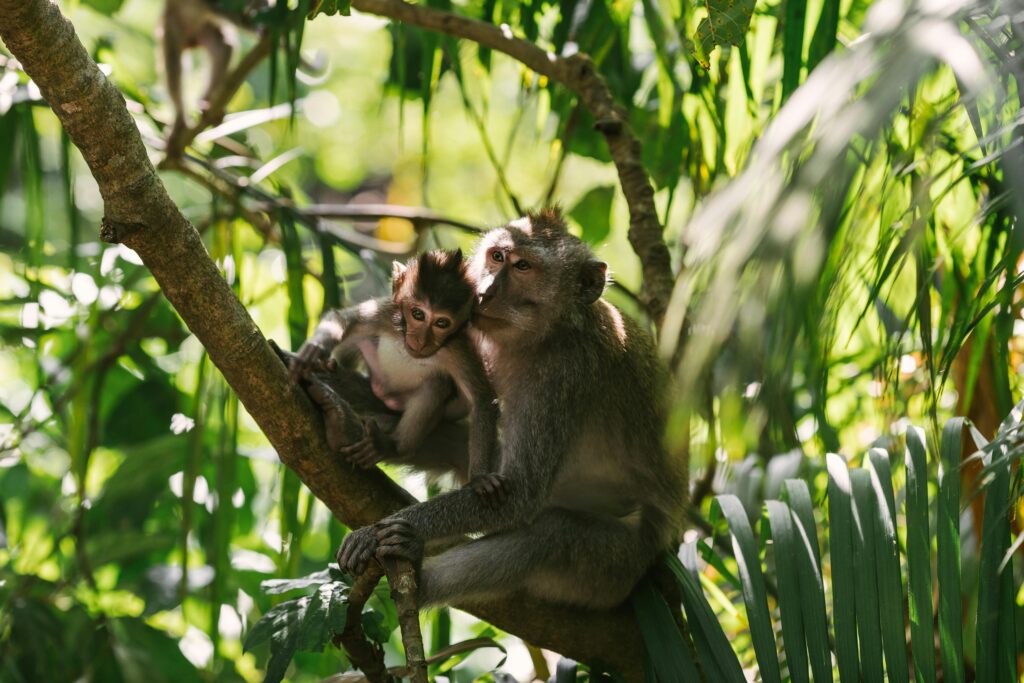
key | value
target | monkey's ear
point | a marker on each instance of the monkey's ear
(457, 257)
(397, 275)
(593, 278)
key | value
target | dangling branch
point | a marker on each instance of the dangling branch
(214, 113)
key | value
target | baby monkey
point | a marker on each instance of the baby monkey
(420, 361)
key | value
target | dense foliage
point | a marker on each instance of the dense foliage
(840, 185)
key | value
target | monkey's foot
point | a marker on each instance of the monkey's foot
(357, 550)
(371, 449)
(398, 540)
(492, 487)
(311, 356)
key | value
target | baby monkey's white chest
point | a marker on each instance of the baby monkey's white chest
(399, 370)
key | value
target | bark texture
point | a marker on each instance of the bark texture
(140, 214)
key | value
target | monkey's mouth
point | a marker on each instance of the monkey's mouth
(421, 353)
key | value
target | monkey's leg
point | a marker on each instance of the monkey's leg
(563, 556)
(423, 410)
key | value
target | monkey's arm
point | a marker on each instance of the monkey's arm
(534, 447)
(336, 326)
(467, 369)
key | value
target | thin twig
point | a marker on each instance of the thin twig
(364, 654)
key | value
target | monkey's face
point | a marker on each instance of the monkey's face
(427, 328)
(532, 274)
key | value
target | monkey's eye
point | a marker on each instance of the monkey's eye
(418, 314)
(497, 256)
(443, 323)
(523, 265)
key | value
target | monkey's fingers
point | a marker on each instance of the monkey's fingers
(397, 539)
(361, 453)
(357, 550)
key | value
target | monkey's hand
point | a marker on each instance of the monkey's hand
(492, 487)
(332, 407)
(398, 540)
(357, 550)
(371, 449)
(311, 356)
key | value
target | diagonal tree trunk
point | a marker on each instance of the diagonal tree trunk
(140, 214)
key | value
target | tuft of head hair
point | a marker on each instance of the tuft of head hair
(440, 278)
(548, 222)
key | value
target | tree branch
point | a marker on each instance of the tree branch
(579, 74)
(140, 214)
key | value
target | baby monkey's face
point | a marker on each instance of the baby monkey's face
(435, 299)
(428, 328)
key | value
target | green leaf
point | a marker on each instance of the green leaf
(667, 653)
(752, 581)
(274, 620)
(278, 586)
(995, 636)
(593, 213)
(951, 638)
(919, 569)
(726, 24)
(844, 597)
(716, 656)
(792, 45)
(786, 549)
(864, 560)
(808, 558)
(824, 40)
(887, 557)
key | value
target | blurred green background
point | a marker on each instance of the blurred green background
(840, 185)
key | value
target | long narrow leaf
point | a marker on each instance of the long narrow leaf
(994, 645)
(792, 45)
(887, 557)
(919, 559)
(864, 562)
(716, 655)
(786, 545)
(752, 581)
(667, 653)
(808, 557)
(951, 639)
(844, 597)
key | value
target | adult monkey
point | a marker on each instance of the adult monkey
(592, 496)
